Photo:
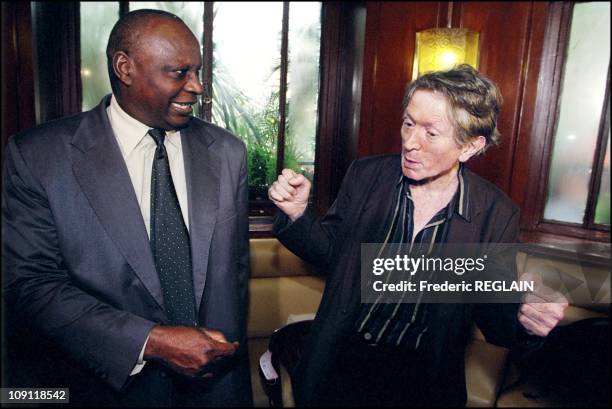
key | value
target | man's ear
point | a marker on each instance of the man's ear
(472, 148)
(123, 65)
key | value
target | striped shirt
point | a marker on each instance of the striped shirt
(405, 324)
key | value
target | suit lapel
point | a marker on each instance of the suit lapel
(202, 174)
(103, 176)
(380, 202)
(468, 231)
(372, 220)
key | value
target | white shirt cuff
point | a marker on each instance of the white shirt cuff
(141, 362)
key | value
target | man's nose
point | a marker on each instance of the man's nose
(194, 85)
(411, 140)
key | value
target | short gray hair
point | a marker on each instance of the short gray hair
(475, 101)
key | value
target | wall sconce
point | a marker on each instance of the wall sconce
(442, 48)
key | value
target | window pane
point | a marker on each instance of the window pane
(192, 13)
(582, 95)
(602, 211)
(99, 18)
(302, 86)
(246, 77)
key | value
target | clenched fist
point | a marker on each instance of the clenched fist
(541, 309)
(290, 193)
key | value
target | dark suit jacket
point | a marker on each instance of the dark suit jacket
(78, 269)
(333, 243)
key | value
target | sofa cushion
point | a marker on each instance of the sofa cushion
(584, 286)
(588, 291)
(484, 365)
(269, 258)
(273, 300)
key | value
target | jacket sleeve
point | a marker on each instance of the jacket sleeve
(244, 265)
(499, 322)
(36, 283)
(313, 238)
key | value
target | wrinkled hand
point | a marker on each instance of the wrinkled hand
(188, 350)
(542, 309)
(290, 193)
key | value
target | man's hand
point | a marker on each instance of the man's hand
(290, 193)
(187, 350)
(542, 309)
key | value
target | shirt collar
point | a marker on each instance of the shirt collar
(130, 131)
(460, 203)
(400, 180)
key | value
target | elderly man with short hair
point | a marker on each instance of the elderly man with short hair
(407, 354)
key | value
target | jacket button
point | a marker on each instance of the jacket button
(163, 374)
(367, 336)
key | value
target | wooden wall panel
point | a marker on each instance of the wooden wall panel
(58, 53)
(388, 55)
(529, 125)
(339, 104)
(17, 73)
(505, 30)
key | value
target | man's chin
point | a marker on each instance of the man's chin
(411, 174)
(179, 123)
(418, 178)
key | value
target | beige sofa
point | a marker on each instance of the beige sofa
(553, 269)
(282, 287)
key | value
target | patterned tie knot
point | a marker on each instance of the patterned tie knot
(158, 136)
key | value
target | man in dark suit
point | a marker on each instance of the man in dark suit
(407, 354)
(125, 235)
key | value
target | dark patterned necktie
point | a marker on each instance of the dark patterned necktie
(170, 240)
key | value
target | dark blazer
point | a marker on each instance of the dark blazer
(333, 244)
(79, 272)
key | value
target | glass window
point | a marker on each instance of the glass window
(302, 86)
(582, 97)
(99, 18)
(246, 75)
(246, 82)
(247, 67)
(191, 12)
(602, 211)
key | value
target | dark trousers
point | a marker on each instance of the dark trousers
(376, 376)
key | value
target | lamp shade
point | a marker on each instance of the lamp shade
(442, 48)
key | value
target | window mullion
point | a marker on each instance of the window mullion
(600, 154)
(124, 8)
(282, 98)
(207, 61)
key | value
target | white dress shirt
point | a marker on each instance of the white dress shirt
(138, 150)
